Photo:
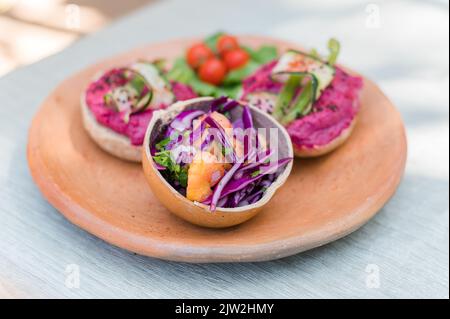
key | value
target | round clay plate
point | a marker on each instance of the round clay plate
(324, 199)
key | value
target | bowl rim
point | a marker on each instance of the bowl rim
(176, 108)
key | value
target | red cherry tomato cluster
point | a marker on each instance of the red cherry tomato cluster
(212, 68)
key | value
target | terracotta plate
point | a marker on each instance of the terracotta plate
(323, 200)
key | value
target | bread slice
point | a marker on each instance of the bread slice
(109, 140)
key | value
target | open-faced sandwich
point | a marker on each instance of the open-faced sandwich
(118, 105)
(317, 101)
(215, 162)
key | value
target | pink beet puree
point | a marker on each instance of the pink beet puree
(182, 91)
(332, 113)
(261, 81)
(137, 125)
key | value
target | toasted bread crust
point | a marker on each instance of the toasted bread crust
(110, 141)
(320, 150)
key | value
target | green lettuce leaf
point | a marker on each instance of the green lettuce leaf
(263, 55)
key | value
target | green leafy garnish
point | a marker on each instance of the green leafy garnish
(315, 54)
(175, 171)
(202, 88)
(302, 105)
(334, 48)
(183, 177)
(286, 96)
(137, 83)
(163, 158)
(162, 144)
(211, 41)
(232, 91)
(255, 173)
(237, 76)
(181, 72)
(263, 55)
(289, 107)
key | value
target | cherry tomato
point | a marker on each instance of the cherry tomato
(226, 43)
(198, 54)
(236, 58)
(213, 71)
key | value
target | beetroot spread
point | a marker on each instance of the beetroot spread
(182, 91)
(138, 122)
(332, 113)
(261, 81)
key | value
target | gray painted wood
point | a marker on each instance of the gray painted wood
(408, 242)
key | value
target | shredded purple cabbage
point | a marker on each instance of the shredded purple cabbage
(238, 124)
(247, 119)
(238, 184)
(217, 103)
(255, 162)
(222, 184)
(251, 173)
(230, 105)
(184, 120)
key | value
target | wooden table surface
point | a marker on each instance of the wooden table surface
(402, 252)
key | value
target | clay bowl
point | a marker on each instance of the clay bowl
(198, 213)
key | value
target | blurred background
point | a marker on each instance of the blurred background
(33, 29)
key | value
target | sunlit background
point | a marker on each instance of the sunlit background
(33, 29)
